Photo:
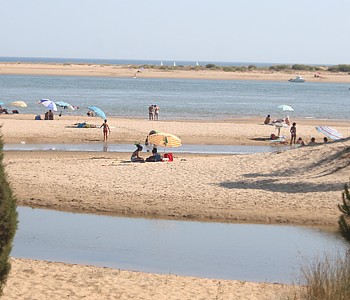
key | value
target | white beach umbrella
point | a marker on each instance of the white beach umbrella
(49, 104)
(285, 107)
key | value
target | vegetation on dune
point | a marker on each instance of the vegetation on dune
(249, 68)
(8, 222)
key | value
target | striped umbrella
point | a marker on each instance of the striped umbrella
(329, 132)
(164, 139)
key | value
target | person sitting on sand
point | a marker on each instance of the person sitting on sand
(155, 156)
(312, 141)
(300, 142)
(267, 120)
(325, 139)
(287, 121)
(135, 156)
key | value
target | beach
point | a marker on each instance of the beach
(109, 70)
(299, 186)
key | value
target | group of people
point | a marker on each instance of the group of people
(49, 115)
(3, 110)
(293, 131)
(269, 122)
(135, 156)
(153, 112)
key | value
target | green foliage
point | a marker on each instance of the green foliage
(339, 68)
(8, 222)
(279, 67)
(344, 219)
(210, 66)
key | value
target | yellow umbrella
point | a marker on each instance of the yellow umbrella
(164, 139)
(19, 104)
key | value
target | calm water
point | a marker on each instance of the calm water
(178, 98)
(214, 250)
(105, 147)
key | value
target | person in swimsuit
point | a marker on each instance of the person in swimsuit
(135, 156)
(106, 130)
(293, 133)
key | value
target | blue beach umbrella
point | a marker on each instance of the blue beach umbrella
(64, 105)
(98, 112)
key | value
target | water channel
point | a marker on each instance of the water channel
(204, 149)
(213, 250)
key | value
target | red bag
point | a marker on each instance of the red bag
(169, 156)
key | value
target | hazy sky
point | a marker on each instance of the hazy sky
(278, 31)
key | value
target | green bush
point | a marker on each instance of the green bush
(8, 221)
(279, 67)
(210, 66)
(344, 219)
(339, 68)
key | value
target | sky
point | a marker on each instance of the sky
(269, 31)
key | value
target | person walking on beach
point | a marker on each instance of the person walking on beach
(151, 112)
(156, 112)
(106, 130)
(293, 133)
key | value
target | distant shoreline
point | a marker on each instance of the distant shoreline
(134, 71)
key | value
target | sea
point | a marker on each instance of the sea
(178, 99)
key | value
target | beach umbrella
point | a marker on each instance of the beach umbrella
(329, 132)
(19, 104)
(49, 104)
(98, 112)
(164, 139)
(285, 107)
(64, 105)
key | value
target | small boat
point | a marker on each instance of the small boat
(297, 78)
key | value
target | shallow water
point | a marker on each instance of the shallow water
(98, 147)
(213, 250)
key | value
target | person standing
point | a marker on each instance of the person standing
(106, 130)
(156, 112)
(293, 133)
(151, 112)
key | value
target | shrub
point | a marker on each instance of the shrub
(8, 221)
(279, 67)
(210, 66)
(344, 219)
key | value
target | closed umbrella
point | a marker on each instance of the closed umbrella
(330, 132)
(98, 112)
(49, 104)
(19, 104)
(164, 139)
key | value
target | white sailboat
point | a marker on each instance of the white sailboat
(174, 64)
(197, 64)
(161, 63)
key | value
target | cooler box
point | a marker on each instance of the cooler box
(169, 156)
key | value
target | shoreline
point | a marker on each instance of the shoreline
(100, 70)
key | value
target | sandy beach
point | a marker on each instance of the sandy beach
(300, 186)
(72, 69)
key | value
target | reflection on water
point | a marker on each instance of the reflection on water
(215, 250)
(205, 149)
